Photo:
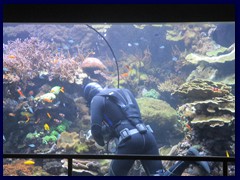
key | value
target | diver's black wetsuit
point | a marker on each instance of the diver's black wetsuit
(104, 110)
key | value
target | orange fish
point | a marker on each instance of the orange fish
(47, 100)
(55, 61)
(20, 92)
(28, 119)
(49, 115)
(189, 127)
(124, 75)
(11, 56)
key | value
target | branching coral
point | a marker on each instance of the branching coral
(18, 168)
(167, 86)
(27, 59)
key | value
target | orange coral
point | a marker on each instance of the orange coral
(18, 168)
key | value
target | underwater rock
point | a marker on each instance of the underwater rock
(202, 72)
(88, 167)
(53, 167)
(198, 90)
(215, 111)
(162, 118)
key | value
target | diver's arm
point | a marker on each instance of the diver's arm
(97, 110)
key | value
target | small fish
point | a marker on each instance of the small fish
(47, 100)
(12, 114)
(46, 127)
(215, 89)
(124, 75)
(189, 127)
(5, 69)
(62, 89)
(30, 93)
(30, 109)
(89, 134)
(57, 121)
(29, 162)
(4, 139)
(174, 58)
(20, 92)
(28, 118)
(56, 104)
(227, 154)
(162, 47)
(49, 115)
(55, 61)
(136, 44)
(62, 115)
(11, 56)
(71, 41)
(129, 45)
(32, 145)
(21, 122)
(38, 120)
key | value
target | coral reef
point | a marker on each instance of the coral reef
(162, 118)
(88, 167)
(202, 72)
(18, 168)
(196, 58)
(198, 90)
(151, 93)
(32, 58)
(214, 112)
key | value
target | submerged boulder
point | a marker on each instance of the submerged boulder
(163, 120)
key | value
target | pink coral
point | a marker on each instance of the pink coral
(92, 63)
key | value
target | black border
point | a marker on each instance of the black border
(67, 13)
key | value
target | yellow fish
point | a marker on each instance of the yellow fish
(227, 154)
(46, 127)
(62, 89)
(29, 162)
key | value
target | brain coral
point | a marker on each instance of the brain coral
(68, 140)
(162, 118)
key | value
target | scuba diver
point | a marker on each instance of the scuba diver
(116, 112)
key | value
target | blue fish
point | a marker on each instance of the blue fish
(71, 41)
(174, 58)
(5, 69)
(136, 44)
(30, 109)
(32, 145)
